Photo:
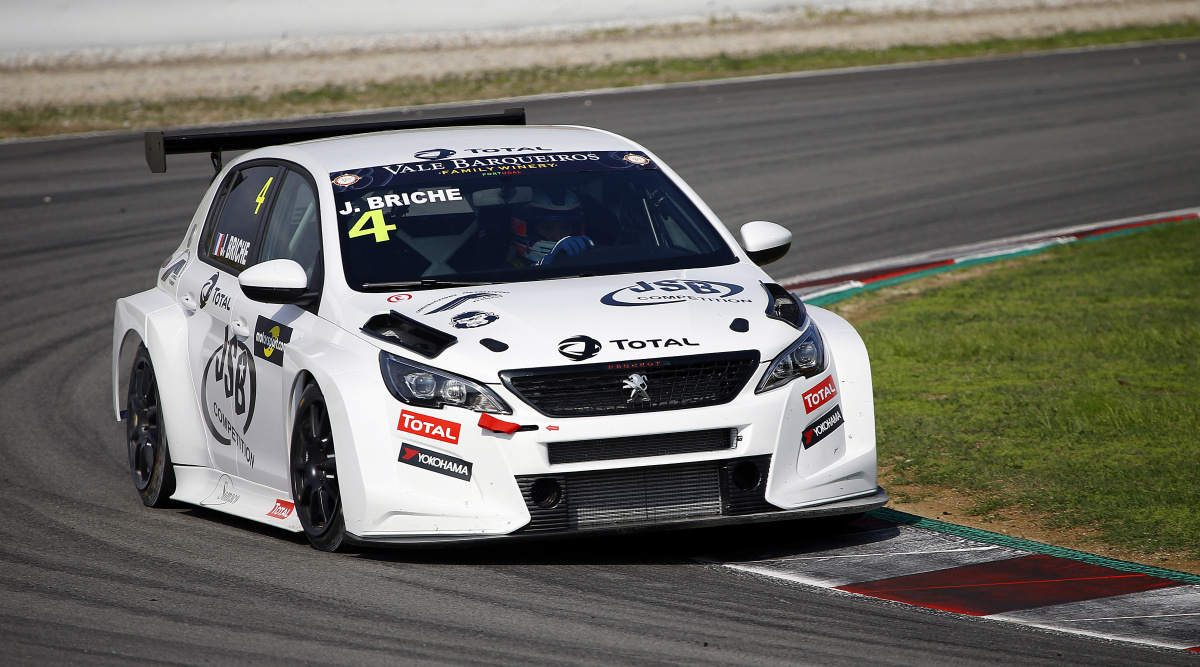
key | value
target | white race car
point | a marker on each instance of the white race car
(468, 328)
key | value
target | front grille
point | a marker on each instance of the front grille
(662, 444)
(601, 389)
(639, 496)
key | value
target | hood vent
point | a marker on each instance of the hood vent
(409, 333)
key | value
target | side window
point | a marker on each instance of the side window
(246, 202)
(293, 232)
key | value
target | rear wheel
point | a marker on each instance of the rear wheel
(314, 473)
(149, 459)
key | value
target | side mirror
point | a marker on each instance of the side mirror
(765, 242)
(276, 281)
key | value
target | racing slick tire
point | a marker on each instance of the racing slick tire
(149, 458)
(314, 473)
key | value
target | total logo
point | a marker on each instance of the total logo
(643, 293)
(430, 427)
(433, 461)
(282, 509)
(825, 424)
(212, 292)
(819, 395)
(579, 348)
(624, 343)
(443, 153)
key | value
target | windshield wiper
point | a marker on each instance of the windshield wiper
(424, 283)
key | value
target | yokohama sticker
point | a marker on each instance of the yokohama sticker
(439, 463)
(282, 509)
(825, 424)
(430, 427)
(819, 395)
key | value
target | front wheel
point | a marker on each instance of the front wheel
(314, 473)
(149, 460)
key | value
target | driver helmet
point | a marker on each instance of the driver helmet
(543, 221)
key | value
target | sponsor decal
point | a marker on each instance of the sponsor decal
(439, 463)
(551, 428)
(641, 344)
(223, 494)
(270, 338)
(825, 424)
(523, 149)
(472, 319)
(231, 248)
(346, 179)
(211, 291)
(396, 298)
(171, 275)
(819, 395)
(230, 369)
(430, 427)
(282, 509)
(455, 300)
(445, 164)
(578, 348)
(644, 293)
(637, 386)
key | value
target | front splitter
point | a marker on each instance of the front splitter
(851, 506)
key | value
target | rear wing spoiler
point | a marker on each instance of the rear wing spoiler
(161, 144)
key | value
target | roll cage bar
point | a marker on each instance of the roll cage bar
(161, 144)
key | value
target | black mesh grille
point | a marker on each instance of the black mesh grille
(600, 389)
(607, 449)
(632, 496)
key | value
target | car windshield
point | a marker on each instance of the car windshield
(516, 218)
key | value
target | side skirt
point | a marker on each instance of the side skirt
(231, 494)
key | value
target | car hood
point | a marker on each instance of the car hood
(572, 321)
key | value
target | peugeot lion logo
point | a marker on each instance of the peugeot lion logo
(637, 386)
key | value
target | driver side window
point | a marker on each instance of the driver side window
(293, 230)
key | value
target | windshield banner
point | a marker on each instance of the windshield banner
(471, 167)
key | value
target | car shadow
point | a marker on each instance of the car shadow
(727, 544)
(724, 544)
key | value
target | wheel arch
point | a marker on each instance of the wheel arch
(153, 319)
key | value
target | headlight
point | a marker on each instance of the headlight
(417, 384)
(804, 358)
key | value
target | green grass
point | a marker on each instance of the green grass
(1064, 386)
(46, 120)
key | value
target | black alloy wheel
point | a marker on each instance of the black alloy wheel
(149, 460)
(314, 473)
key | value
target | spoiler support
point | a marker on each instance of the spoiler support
(161, 144)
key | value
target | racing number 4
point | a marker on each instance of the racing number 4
(378, 227)
(262, 195)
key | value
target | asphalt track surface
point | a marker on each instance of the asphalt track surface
(861, 166)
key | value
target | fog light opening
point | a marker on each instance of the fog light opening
(746, 476)
(546, 493)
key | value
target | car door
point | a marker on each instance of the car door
(292, 232)
(222, 364)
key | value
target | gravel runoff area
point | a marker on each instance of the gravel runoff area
(231, 72)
